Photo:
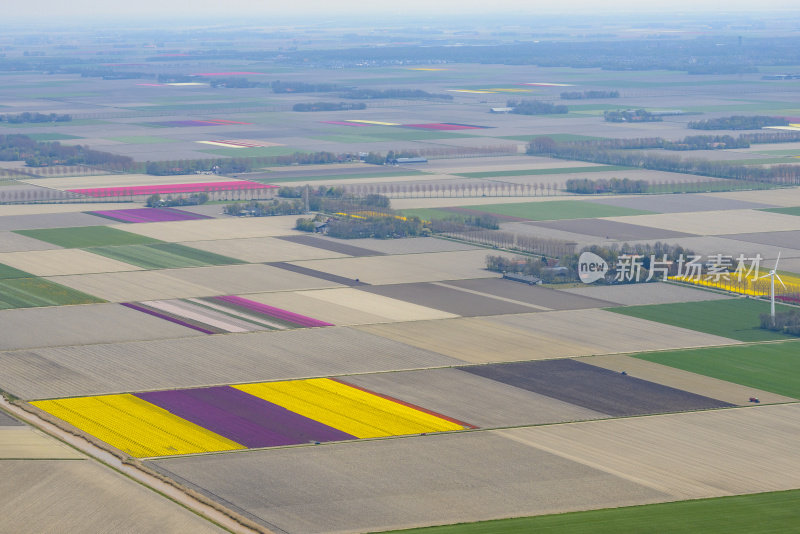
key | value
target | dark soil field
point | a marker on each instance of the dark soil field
(595, 388)
(790, 239)
(610, 229)
(449, 300)
(330, 244)
(317, 274)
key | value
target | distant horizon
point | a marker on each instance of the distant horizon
(316, 12)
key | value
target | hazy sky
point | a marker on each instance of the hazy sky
(87, 9)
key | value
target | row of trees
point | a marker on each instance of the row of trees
(303, 87)
(193, 199)
(39, 153)
(787, 322)
(328, 106)
(536, 107)
(585, 186)
(264, 209)
(637, 115)
(568, 259)
(596, 153)
(738, 122)
(580, 95)
(35, 117)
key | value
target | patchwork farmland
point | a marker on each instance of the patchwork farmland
(275, 380)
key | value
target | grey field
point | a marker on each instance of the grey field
(53, 220)
(205, 360)
(83, 325)
(397, 483)
(679, 203)
(472, 399)
(537, 295)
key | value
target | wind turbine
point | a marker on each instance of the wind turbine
(773, 274)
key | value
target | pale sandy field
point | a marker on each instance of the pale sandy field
(431, 267)
(191, 282)
(788, 197)
(133, 286)
(27, 443)
(212, 229)
(346, 306)
(264, 249)
(84, 496)
(11, 242)
(63, 262)
(680, 379)
(689, 455)
(247, 278)
(38, 209)
(542, 335)
(717, 222)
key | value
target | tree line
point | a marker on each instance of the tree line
(35, 117)
(598, 152)
(585, 186)
(581, 95)
(329, 106)
(637, 115)
(536, 107)
(738, 122)
(46, 153)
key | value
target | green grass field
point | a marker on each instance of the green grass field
(768, 366)
(36, 292)
(732, 318)
(536, 172)
(276, 178)
(761, 513)
(256, 152)
(556, 209)
(163, 256)
(795, 210)
(142, 139)
(7, 272)
(87, 236)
